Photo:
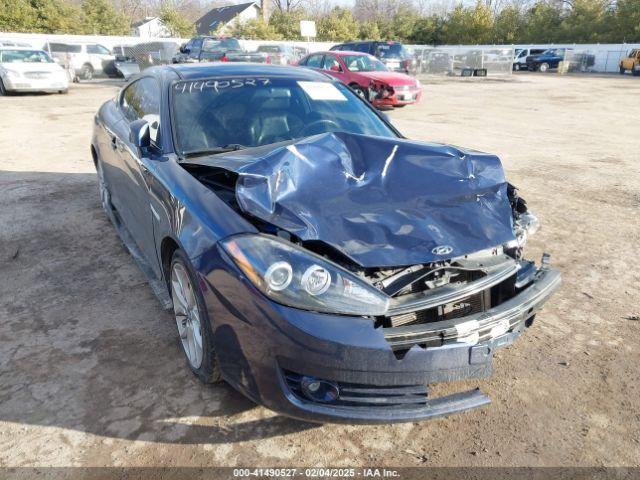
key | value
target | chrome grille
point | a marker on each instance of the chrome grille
(37, 75)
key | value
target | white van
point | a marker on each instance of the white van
(521, 54)
(86, 60)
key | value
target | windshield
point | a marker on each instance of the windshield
(24, 56)
(250, 112)
(213, 45)
(363, 63)
(391, 50)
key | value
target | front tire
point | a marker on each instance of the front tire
(86, 72)
(3, 90)
(622, 70)
(516, 67)
(361, 91)
(192, 321)
(544, 67)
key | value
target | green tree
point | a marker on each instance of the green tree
(369, 31)
(627, 21)
(16, 16)
(56, 16)
(469, 25)
(339, 25)
(100, 18)
(428, 31)
(175, 22)
(508, 26)
(586, 22)
(542, 23)
(255, 29)
(287, 23)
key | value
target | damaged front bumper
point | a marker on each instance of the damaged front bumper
(272, 353)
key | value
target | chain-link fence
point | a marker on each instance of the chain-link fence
(464, 61)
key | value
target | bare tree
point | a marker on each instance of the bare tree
(286, 5)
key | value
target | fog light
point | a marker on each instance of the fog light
(319, 390)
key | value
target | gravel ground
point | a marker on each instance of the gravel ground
(90, 368)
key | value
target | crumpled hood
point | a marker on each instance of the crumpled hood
(383, 202)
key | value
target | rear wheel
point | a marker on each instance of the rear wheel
(86, 72)
(516, 67)
(622, 70)
(544, 67)
(3, 91)
(194, 329)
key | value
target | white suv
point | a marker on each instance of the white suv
(85, 60)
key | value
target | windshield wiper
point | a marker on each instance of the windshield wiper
(231, 147)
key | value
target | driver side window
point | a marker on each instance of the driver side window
(141, 100)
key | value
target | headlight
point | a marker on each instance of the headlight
(11, 73)
(293, 276)
(526, 224)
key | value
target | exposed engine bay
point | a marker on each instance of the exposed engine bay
(462, 285)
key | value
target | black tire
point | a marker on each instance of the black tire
(516, 67)
(361, 91)
(635, 72)
(63, 92)
(3, 91)
(86, 73)
(209, 370)
(622, 70)
(544, 67)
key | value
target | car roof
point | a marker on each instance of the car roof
(351, 53)
(206, 70)
(9, 47)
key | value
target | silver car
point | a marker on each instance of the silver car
(30, 70)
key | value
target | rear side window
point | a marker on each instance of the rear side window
(361, 47)
(64, 48)
(314, 61)
(141, 100)
(98, 50)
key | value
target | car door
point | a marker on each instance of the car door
(196, 49)
(99, 57)
(333, 66)
(140, 100)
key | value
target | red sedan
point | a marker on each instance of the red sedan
(368, 76)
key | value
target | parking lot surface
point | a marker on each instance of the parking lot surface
(91, 371)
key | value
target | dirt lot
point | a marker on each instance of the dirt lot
(90, 367)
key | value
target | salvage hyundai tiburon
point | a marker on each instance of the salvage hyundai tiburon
(314, 258)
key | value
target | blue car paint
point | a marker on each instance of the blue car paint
(382, 202)
(254, 337)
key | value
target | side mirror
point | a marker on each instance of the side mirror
(335, 68)
(140, 133)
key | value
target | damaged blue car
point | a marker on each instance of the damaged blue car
(315, 259)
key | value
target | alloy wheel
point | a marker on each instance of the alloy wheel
(187, 315)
